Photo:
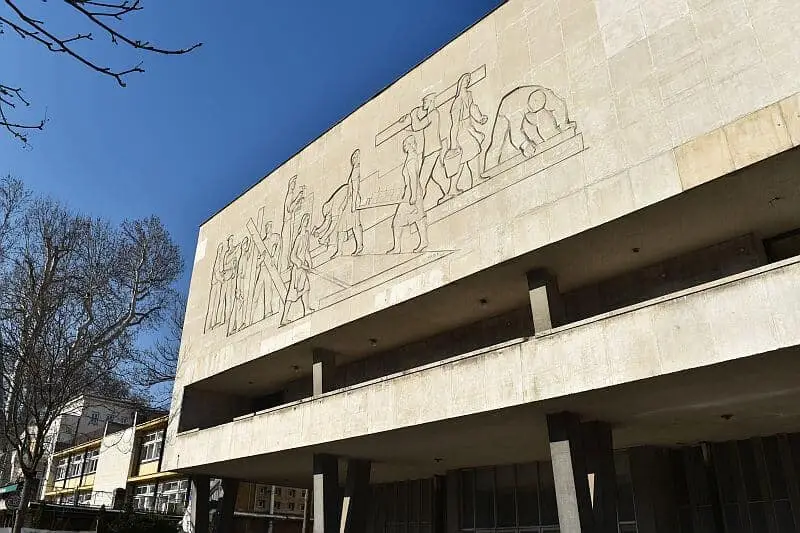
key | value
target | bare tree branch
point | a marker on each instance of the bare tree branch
(93, 14)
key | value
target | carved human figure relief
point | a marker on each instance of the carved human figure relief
(281, 269)
(341, 216)
(461, 159)
(230, 277)
(426, 118)
(217, 287)
(291, 204)
(526, 118)
(410, 211)
(299, 286)
(264, 298)
(240, 315)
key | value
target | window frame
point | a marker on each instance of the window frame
(90, 460)
(63, 463)
(142, 499)
(75, 468)
(150, 450)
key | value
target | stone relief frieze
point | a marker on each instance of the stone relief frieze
(373, 227)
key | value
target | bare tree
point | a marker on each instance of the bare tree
(13, 197)
(24, 20)
(154, 368)
(74, 294)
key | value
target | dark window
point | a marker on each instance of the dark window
(426, 515)
(547, 493)
(625, 507)
(783, 514)
(404, 507)
(726, 465)
(772, 458)
(484, 498)
(520, 497)
(506, 503)
(749, 470)
(468, 499)
(752, 477)
(528, 494)
(415, 503)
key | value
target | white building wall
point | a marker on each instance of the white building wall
(665, 95)
(113, 466)
(82, 416)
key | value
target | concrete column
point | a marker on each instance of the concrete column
(198, 503)
(326, 494)
(356, 500)
(546, 303)
(570, 473)
(324, 370)
(230, 490)
(599, 448)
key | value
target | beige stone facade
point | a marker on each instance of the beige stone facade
(642, 152)
(659, 105)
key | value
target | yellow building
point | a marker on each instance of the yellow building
(72, 479)
(150, 488)
(120, 465)
(126, 465)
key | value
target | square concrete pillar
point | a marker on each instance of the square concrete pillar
(547, 306)
(230, 490)
(356, 500)
(570, 473)
(327, 506)
(198, 503)
(323, 370)
(599, 448)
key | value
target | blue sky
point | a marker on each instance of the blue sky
(193, 132)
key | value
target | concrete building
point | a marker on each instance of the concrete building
(115, 466)
(271, 500)
(548, 280)
(126, 466)
(83, 419)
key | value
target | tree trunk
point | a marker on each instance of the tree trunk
(25, 498)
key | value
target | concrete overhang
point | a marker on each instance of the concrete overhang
(666, 371)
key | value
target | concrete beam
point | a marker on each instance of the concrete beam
(356, 501)
(230, 490)
(198, 503)
(324, 370)
(546, 303)
(327, 508)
